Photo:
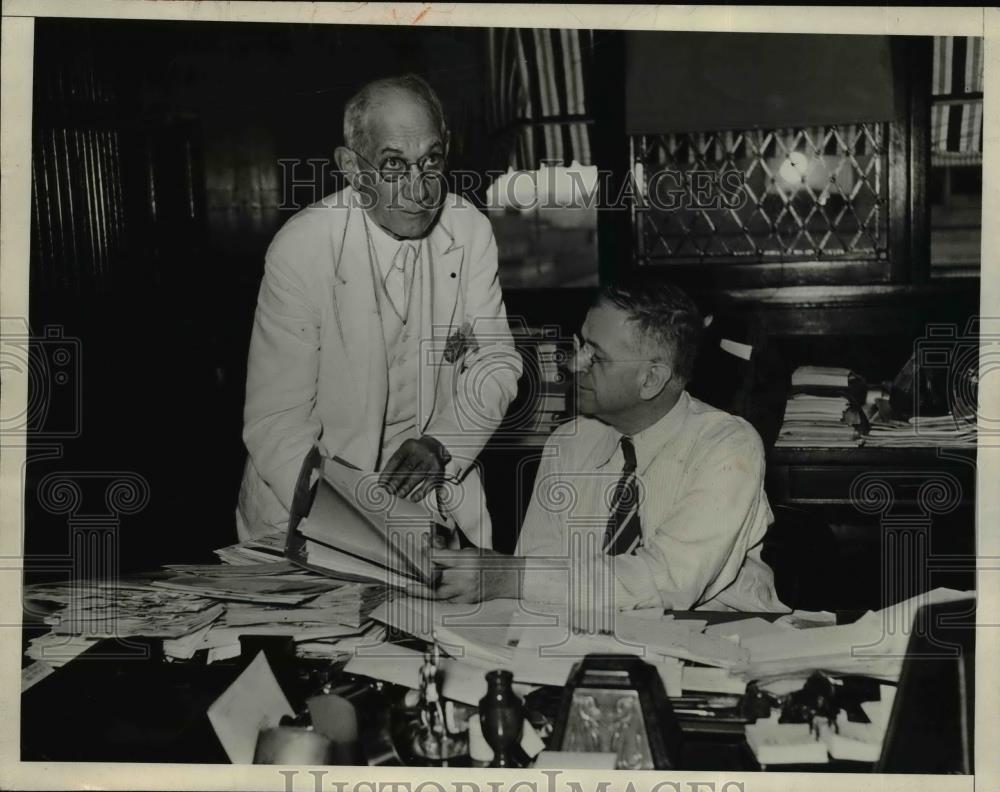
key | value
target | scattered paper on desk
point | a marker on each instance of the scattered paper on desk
(804, 620)
(56, 649)
(794, 644)
(785, 743)
(274, 589)
(261, 549)
(253, 702)
(34, 673)
(878, 711)
(226, 652)
(745, 628)
(671, 672)
(711, 680)
(576, 760)
(475, 633)
(672, 639)
(229, 570)
(858, 742)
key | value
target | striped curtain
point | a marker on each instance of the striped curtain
(956, 100)
(538, 75)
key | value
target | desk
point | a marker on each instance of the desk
(837, 476)
(903, 518)
(120, 703)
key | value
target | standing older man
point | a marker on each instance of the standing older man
(651, 498)
(380, 333)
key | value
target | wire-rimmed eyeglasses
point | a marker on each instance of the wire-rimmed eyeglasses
(585, 356)
(395, 169)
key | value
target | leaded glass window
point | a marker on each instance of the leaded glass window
(800, 194)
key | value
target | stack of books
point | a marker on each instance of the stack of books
(542, 401)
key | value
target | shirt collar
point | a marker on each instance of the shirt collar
(650, 440)
(386, 246)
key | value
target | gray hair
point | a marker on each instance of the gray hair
(663, 313)
(356, 131)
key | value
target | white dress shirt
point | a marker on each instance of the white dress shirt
(389, 255)
(703, 514)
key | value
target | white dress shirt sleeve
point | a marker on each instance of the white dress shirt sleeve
(695, 543)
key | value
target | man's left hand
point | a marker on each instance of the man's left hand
(473, 574)
(415, 469)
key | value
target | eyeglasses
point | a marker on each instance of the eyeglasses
(586, 356)
(395, 169)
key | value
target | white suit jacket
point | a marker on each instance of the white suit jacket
(317, 372)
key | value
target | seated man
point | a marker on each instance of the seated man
(651, 498)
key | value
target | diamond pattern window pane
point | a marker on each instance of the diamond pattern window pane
(765, 195)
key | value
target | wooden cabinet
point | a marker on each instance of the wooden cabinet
(903, 518)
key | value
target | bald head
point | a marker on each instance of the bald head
(388, 94)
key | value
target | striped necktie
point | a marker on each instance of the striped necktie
(624, 533)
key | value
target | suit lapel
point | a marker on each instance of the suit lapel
(439, 299)
(357, 312)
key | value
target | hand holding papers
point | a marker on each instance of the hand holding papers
(350, 528)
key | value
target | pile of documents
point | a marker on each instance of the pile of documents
(922, 432)
(83, 613)
(262, 550)
(828, 380)
(775, 743)
(274, 598)
(209, 606)
(96, 610)
(823, 409)
(817, 421)
(866, 647)
(355, 530)
(537, 644)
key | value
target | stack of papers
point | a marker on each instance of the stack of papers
(371, 636)
(263, 549)
(209, 606)
(90, 609)
(821, 376)
(355, 530)
(867, 647)
(785, 743)
(922, 432)
(57, 650)
(794, 743)
(301, 605)
(271, 589)
(816, 422)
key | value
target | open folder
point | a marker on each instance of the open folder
(344, 525)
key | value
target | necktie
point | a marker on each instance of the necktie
(624, 533)
(402, 265)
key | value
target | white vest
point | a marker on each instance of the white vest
(402, 348)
